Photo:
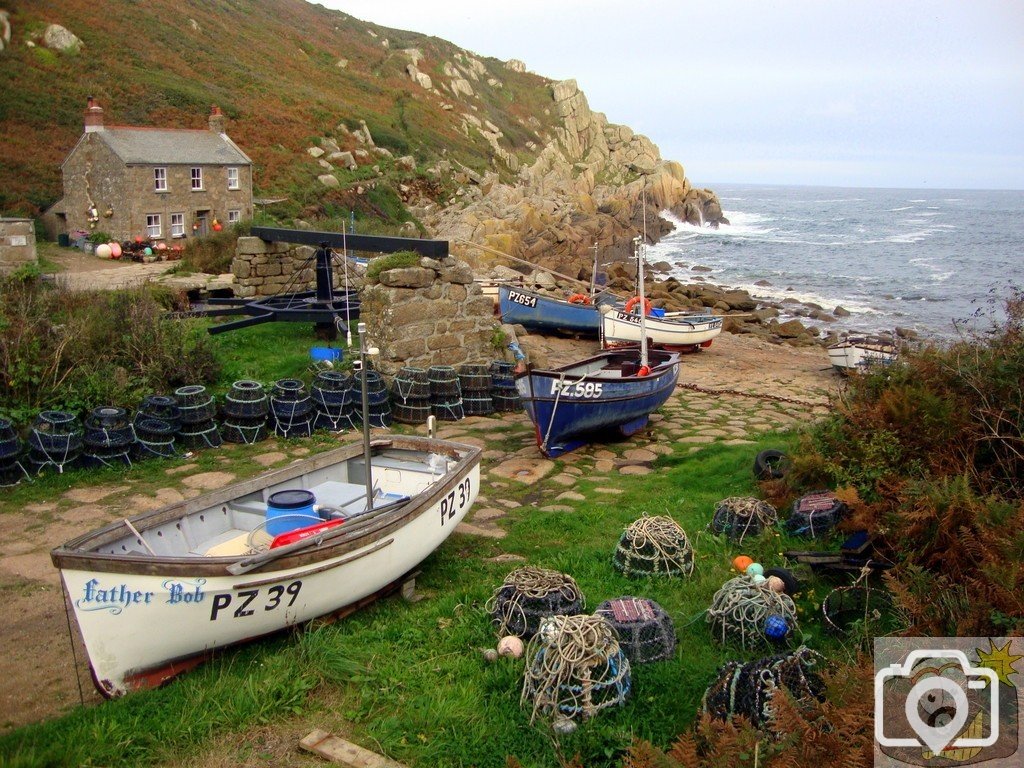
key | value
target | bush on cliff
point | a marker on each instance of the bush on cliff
(75, 350)
(931, 452)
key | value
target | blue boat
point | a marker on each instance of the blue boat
(544, 313)
(611, 392)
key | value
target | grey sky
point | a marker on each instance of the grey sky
(869, 93)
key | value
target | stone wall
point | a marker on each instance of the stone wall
(17, 244)
(266, 269)
(431, 314)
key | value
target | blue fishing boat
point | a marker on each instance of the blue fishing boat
(611, 392)
(578, 315)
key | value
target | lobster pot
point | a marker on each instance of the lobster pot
(55, 441)
(502, 375)
(411, 412)
(291, 409)
(162, 407)
(154, 438)
(244, 431)
(576, 670)
(444, 384)
(245, 400)
(448, 411)
(333, 401)
(109, 437)
(747, 688)
(644, 629)
(474, 378)
(815, 515)
(11, 469)
(653, 546)
(204, 434)
(528, 596)
(411, 384)
(477, 406)
(743, 517)
(197, 408)
(378, 402)
(506, 401)
(751, 615)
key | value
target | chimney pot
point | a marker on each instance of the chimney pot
(93, 116)
(218, 122)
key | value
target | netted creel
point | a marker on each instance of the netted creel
(575, 669)
(530, 594)
(740, 517)
(815, 515)
(654, 546)
(747, 614)
(644, 629)
(749, 689)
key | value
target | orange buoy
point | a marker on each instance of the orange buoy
(633, 302)
(742, 562)
(579, 298)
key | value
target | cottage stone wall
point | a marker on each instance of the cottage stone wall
(266, 269)
(17, 244)
(432, 314)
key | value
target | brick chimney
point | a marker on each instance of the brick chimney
(93, 116)
(218, 123)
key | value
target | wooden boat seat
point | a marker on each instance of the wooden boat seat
(234, 542)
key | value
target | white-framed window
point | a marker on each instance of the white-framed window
(233, 179)
(153, 228)
(234, 217)
(197, 179)
(159, 179)
(177, 225)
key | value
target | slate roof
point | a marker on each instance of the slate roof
(155, 146)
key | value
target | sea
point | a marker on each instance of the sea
(934, 261)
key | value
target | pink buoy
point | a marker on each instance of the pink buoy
(115, 250)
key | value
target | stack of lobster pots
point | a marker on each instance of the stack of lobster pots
(11, 469)
(109, 437)
(55, 441)
(475, 381)
(291, 409)
(503, 387)
(245, 410)
(333, 401)
(157, 421)
(445, 393)
(410, 396)
(197, 410)
(378, 402)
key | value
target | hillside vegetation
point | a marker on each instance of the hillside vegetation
(285, 72)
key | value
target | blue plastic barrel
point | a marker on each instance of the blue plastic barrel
(289, 510)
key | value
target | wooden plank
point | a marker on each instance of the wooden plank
(339, 750)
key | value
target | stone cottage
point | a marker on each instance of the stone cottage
(158, 183)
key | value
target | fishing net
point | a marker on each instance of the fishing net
(530, 594)
(577, 669)
(749, 688)
(815, 515)
(751, 615)
(644, 629)
(739, 517)
(653, 546)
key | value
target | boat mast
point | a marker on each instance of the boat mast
(640, 248)
(593, 274)
(366, 417)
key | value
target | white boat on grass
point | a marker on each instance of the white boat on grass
(673, 332)
(857, 354)
(154, 594)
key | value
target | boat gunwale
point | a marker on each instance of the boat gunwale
(71, 556)
(673, 358)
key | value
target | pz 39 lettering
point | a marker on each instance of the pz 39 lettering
(248, 601)
(455, 501)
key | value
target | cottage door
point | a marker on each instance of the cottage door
(202, 223)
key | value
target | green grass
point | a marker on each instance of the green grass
(409, 680)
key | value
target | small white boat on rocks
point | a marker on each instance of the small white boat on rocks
(154, 594)
(856, 354)
(620, 327)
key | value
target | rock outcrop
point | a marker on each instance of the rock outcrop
(585, 189)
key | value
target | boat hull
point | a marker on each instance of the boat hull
(576, 404)
(543, 313)
(851, 357)
(141, 617)
(677, 333)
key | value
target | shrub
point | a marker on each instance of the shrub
(391, 261)
(77, 350)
